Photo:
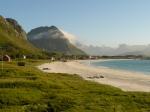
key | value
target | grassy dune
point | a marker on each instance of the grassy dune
(26, 89)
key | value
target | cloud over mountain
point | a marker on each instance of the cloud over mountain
(72, 38)
(53, 39)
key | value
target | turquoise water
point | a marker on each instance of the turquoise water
(130, 65)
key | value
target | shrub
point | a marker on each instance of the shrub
(21, 63)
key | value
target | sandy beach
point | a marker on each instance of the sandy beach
(125, 80)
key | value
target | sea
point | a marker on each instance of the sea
(134, 65)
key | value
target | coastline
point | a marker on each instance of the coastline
(125, 80)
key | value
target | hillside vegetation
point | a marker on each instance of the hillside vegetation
(26, 89)
(13, 39)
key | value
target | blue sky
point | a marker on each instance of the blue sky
(95, 22)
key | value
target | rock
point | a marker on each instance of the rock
(46, 68)
(96, 77)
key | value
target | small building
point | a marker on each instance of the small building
(6, 58)
(24, 57)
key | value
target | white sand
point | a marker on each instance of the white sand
(125, 80)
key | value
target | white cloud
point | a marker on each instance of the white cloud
(72, 38)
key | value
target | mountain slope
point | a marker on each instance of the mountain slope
(13, 38)
(17, 27)
(52, 39)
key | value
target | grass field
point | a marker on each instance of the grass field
(26, 89)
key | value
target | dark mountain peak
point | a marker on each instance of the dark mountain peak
(41, 29)
(45, 32)
(52, 40)
(53, 28)
(12, 21)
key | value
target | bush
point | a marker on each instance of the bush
(21, 63)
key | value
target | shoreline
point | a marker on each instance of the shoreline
(125, 80)
(123, 70)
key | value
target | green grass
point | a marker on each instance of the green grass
(26, 89)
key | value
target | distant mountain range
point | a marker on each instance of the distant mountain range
(52, 39)
(121, 50)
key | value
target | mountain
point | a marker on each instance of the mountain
(13, 39)
(17, 27)
(52, 39)
(122, 49)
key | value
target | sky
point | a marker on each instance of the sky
(93, 22)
